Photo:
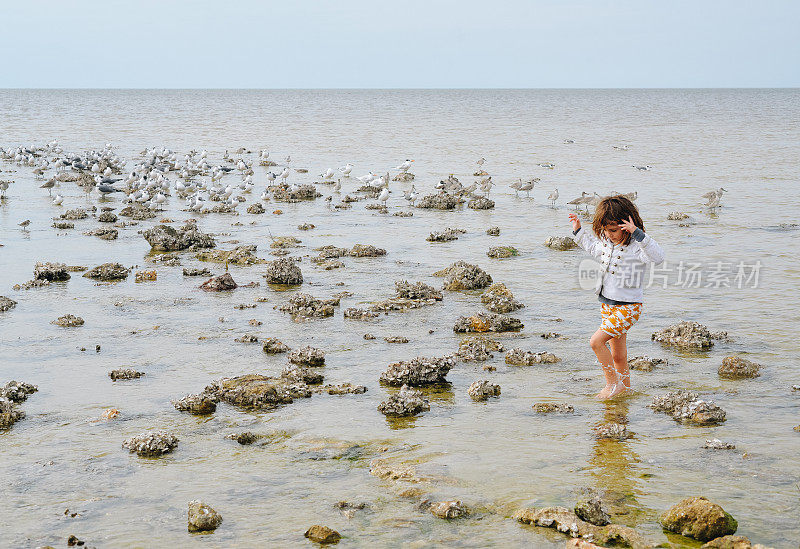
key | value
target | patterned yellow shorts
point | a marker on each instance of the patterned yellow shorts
(618, 319)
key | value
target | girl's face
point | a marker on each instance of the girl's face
(615, 233)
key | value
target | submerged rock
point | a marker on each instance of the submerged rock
(561, 243)
(164, 238)
(104, 233)
(686, 407)
(354, 313)
(493, 231)
(6, 304)
(240, 255)
(256, 208)
(366, 250)
(9, 414)
(502, 252)
(732, 542)
(51, 271)
(478, 348)
(307, 356)
(734, 367)
(480, 203)
(520, 357)
(698, 518)
(302, 306)
(645, 363)
(256, 391)
(107, 217)
(196, 272)
(63, 225)
(17, 391)
(441, 201)
(612, 431)
(299, 374)
(446, 235)
(124, 373)
(499, 299)
(68, 321)
(464, 276)
(449, 509)
(553, 408)
(203, 518)
(717, 444)
(138, 213)
(688, 334)
(342, 389)
(221, 283)
(245, 438)
(418, 371)
(481, 390)
(274, 346)
(677, 216)
(405, 402)
(151, 444)
(567, 522)
(322, 534)
(591, 510)
(77, 213)
(284, 271)
(108, 271)
(198, 405)
(487, 322)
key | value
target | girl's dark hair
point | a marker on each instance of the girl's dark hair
(613, 209)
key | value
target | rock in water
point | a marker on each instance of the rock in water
(481, 390)
(591, 510)
(449, 509)
(692, 335)
(198, 405)
(499, 299)
(50, 271)
(202, 518)
(219, 283)
(405, 402)
(307, 356)
(68, 321)
(518, 357)
(487, 322)
(322, 534)
(108, 271)
(464, 276)
(732, 542)
(700, 519)
(418, 371)
(480, 203)
(152, 444)
(561, 243)
(6, 304)
(645, 363)
(734, 367)
(164, 238)
(284, 271)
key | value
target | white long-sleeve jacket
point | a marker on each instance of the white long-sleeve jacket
(623, 265)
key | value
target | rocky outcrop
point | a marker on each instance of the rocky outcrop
(499, 299)
(405, 402)
(690, 335)
(464, 276)
(591, 510)
(240, 255)
(493, 231)
(487, 322)
(104, 233)
(612, 431)
(561, 243)
(284, 271)
(256, 208)
(553, 408)
(301, 374)
(196, 272)
(164, 238)
(478, 348)
(418, 371)
(198, 405)
(446, 235)
(203, 518)
(107, 217)
(124, 374)
(677, 216)
(366, 250)
(645, 363)
(303, 306)
(520, 357)
(699, 518)
(256, 391)
(322, 534)
(108, 271)
(502, 252)
(152, 444)
(480, 203)
(732, 542)
(567, 522)
(6, 304)
(68, 321)
(307, 356)
(273, 345)
(11, 394)
(481, 390)
(77, 213)
(138, 213)
(221, 283)
(449, 509)
(734, 367)
(50, 271)
(686, 407)
(440, 201)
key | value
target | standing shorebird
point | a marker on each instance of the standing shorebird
(24, 224)
(552, 197)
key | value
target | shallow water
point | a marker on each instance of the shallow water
(496, 456)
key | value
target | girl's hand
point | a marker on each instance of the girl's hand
(576, 223)
(628, 225)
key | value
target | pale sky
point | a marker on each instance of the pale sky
(399, 44)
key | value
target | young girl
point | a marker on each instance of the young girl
(623, 249)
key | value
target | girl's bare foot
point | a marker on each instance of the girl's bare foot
(604, 392)
(618, 390)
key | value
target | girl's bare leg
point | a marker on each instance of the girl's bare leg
(598, 343)
(619, 354)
